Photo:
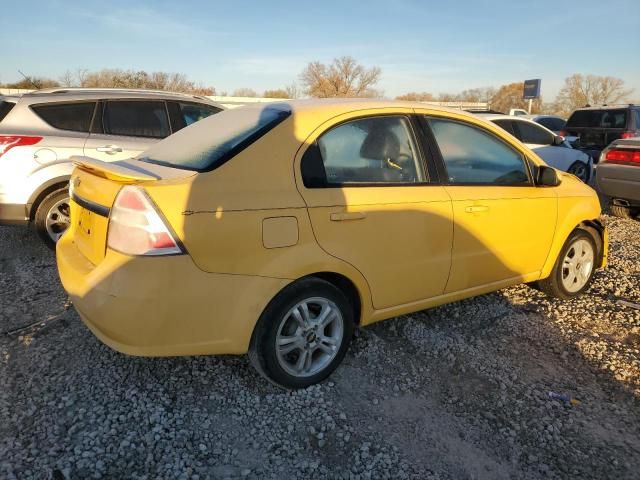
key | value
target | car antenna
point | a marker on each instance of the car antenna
(28, 79)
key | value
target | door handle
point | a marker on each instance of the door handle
(476, 209)
(340, 217)
(110, 149)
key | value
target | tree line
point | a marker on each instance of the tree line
(346, 77)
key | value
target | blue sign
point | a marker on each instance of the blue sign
(531, 89)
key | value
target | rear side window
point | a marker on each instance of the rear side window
(553, 124)
(531, 133)
(614, 119)
(184, 114)
(506, 125)
(5, 108)
(214, 140)
(67, 116)
(136, 119)
(473, 156)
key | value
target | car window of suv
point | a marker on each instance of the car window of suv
(184, 114)
(67, 116)
(374, 150)
(614, 119)
(5, 108)
(474, 156)
(531, 133)
(136, 118)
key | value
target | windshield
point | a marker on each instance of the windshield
(209, 143)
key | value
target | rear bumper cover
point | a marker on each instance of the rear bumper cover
(13, 214)
(619, 181)
(163, 306)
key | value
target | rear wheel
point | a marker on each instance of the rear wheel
(574, 268)
(580, 170)
(303, 334)
(623, 212)
(53, 217)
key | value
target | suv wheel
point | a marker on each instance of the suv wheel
(53, 217)
(623, 212)
(580, 170)
(303, 334)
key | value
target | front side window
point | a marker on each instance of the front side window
(473, 156)
(533, 134)
(67, 116)
(212, 141)
(373, 150)
(136, 119)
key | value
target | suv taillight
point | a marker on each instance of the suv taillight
(628, 157)
(7, 142)
(136, 227)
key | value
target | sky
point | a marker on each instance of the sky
(433, 46)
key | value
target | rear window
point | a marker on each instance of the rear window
(598, 119)
(553, 124)
(5, 108)
(212, 141)
(67, 116)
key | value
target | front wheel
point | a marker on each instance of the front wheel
(53, 217)
(574, 268)
(303, 334)
(580, 170)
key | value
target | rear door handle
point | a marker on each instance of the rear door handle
(340, 217)
(110, 149)
(476, 209)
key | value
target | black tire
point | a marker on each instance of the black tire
(43, 210)
(623, 212)
(262, 350)
(577, 167)
(553, 284)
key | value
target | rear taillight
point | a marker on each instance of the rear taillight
(563, 133)
(628, 135)
(629, 157)
(7, 142)
(136, 227)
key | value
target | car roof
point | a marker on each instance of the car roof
(609, 107)
(540, 115)
(344, 105)
(75, 93)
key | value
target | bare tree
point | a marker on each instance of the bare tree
(276, 93)
(292, 91)
(580, 90)
(416, 97)
(510, 96)
(344, 77)
(245, 92)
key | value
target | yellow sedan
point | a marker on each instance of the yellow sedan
(277, 229)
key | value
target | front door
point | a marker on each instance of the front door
(504, 224)
(372, 205)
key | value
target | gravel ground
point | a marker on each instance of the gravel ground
(459, 391)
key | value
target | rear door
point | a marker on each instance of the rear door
(124, 128)
(373, 203)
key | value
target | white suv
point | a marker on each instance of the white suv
(40, 130)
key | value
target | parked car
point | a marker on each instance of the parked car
(550, 122)
(518, 112)
(39, 131)
(553, 149)
(618, 176)
(597, 127)
(276, 229)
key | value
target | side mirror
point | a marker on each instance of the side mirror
(547, 176)
(558, 140)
